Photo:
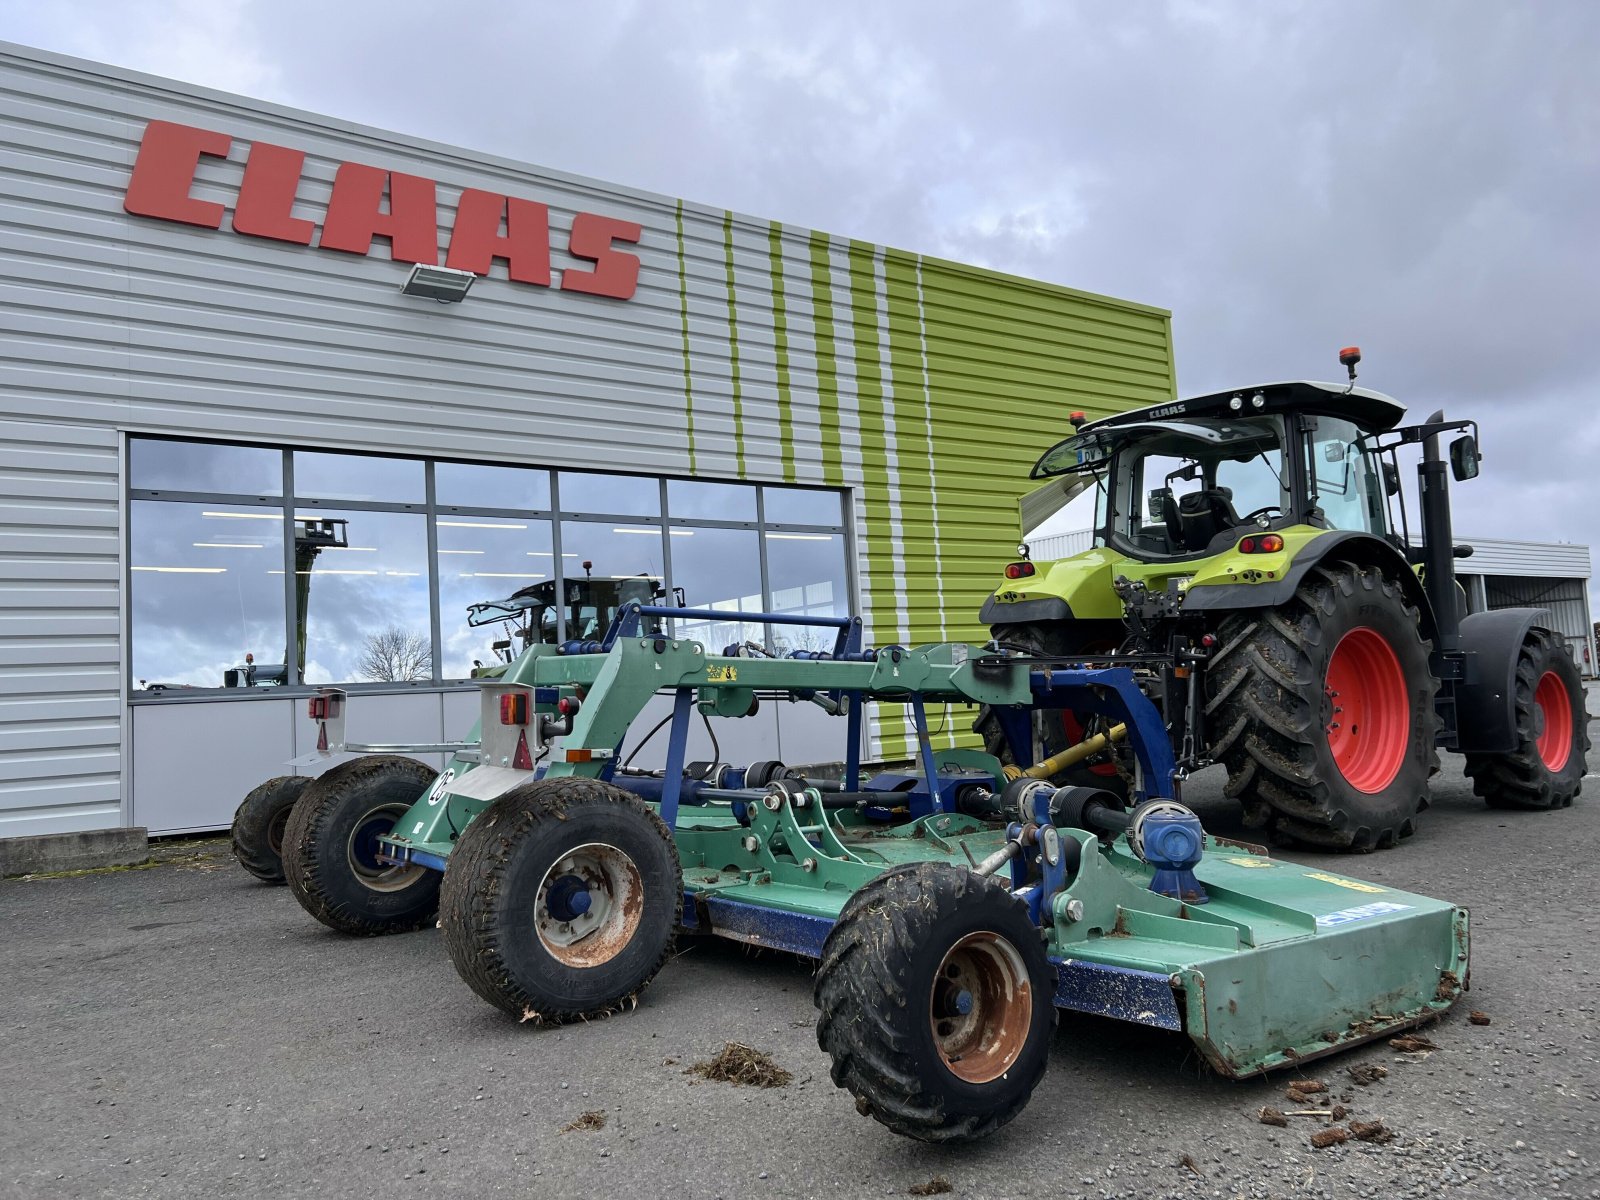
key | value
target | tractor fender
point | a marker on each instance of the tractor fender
(1024, 612)
(1486, 699)
(1349, 545)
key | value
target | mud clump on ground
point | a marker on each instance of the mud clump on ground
(1371, 1131)
(1331, 1136)
(937, 1186)
(1478, 1018)
(1271, 1116)
(742, 1066)
(1368, 1073)
(1412, 1043)
(586, 1123)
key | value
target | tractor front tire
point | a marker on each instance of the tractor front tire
(258, 826)
(330, 848)
(1547, 767)
(936, 1002)
(562, 900)
(1323, 711)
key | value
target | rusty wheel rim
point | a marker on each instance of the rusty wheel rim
(982, 1007)
(589, 906)
(363, 849)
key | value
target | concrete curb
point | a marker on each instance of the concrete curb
(73, 851)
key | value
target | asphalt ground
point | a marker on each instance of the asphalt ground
(185, 1031)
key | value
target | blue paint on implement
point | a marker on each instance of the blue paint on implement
(398, 856)
(776, 928)
(1143, 997)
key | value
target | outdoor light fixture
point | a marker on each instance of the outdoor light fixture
(444, 284)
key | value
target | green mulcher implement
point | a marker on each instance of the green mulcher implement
(953, 907)
(1246, 543)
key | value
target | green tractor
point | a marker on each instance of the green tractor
(1258, 539)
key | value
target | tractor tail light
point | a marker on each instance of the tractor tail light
(1267, 543)
(317, 708)
(1019, 570)
(568, 706)
(514, 708)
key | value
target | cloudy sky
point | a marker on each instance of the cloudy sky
(1419, 178)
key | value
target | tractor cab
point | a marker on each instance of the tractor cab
(1192, 478)
(536, 613)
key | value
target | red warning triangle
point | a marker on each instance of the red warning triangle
(322, 736)
(522, 760)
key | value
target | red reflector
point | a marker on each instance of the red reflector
(568, 706)
(1019, 570)
(317, 708)
(580, 755)
(1267, 543)
(522, 760)
(514, 708)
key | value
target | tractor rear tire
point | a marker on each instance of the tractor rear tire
(1057, 729)
(1547, 767)
(330, 846)
(511, 912)
(910, 951)
(1322, 710)
(259, 823)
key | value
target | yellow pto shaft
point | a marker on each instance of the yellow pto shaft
(1072, 754)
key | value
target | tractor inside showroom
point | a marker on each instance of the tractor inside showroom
(1258, 539)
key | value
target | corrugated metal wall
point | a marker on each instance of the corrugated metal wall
(1543, 560)
(60, 673)
(751, 350)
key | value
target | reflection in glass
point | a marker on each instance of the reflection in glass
(720, 569)
(366, 601)
(201, 596)
(710, 501)
(624, 495)
(485, 558)
(801, 506)
(469, 485)
(609, 550)
(807, 575)
(160, 465)
(320, 476)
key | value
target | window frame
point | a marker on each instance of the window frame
(289, 504)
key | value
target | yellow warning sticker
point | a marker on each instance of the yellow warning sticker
(1250, 862)
(722, 674)
(1355, 885)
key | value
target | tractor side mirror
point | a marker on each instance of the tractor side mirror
(1464, 457)
(1158, 503)
(1333, 452)
(1391, 479)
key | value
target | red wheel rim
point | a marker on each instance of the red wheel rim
(1555, 741)
(1370, 724)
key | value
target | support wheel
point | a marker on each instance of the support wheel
(937, 1002)
(1547, 767)
(1322, 710)
(331, 847)
(259, 823)
(1057, 729)
(561, 900)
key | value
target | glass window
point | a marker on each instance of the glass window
(481, 559)
(607, 552)
(623, 495)
(719, 569)
(466, 485)
(357, 477)
(204, 467)
(710, 501)
(806, 572)
(362, 581)
(1345, 481)
(201, 596)
(802, 506)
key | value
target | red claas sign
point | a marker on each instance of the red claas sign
(487, 225)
